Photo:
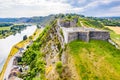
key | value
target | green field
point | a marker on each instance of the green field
(4, 28)
(96, 60)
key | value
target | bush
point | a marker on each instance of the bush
(59, 67)
(61, 32)
(24, 37)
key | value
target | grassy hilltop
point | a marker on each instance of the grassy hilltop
(96, 60)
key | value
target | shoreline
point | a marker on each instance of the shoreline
(14, 51)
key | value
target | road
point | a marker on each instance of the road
(10, 66)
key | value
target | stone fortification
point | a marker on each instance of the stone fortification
(71, 32)
(86, 34)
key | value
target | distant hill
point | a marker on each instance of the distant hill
(8, 19)
(112, 18)
(37, 19)
(107, 21)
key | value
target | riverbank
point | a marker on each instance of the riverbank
(11, 30)
(14, 50)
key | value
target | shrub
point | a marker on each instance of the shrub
(59, 67)
(24, 37)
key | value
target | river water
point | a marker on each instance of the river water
(7, 43)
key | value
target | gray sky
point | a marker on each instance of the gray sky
(28, 8)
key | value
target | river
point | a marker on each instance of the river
(7, 43)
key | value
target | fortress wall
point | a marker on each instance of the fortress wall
(72, 23)
(72, 36)
(65, 24)
(84, 36)
(68, 24)
(99, 35)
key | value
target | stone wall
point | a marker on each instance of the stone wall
(72, 36)
(84, 36)
(65, 24)
(68, 23)
(99, 35)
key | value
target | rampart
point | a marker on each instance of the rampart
(71, 32)
(99, 35)
(86, 35)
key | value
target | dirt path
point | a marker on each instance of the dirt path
(82, 24)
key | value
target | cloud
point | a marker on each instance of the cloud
(18, 8)
(28, 8)
(96, 3)
(114, 11)
(32, 7)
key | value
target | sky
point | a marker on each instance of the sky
(29, 8)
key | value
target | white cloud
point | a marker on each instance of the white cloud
(115, 11)
(82, 1)
(27, 8)
(97, 3)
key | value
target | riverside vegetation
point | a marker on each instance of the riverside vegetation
(14, 50)
(49, 58)
(7, 29)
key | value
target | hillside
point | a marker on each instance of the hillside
(50, 58)
(38, 19)
(115, 29)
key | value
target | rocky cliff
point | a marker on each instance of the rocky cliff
(50, 58)
(54, 50)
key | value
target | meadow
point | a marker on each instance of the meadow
(96, 60)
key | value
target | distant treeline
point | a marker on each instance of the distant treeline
(17, 27)
(37, 19)
(13, 30)
(5, 24)
(107, 21)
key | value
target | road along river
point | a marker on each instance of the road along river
(7, 43)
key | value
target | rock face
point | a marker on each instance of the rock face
(54, 53)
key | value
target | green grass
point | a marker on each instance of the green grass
(91, 23)
(96, 60)
(79, 24)
(115, 37)
(4, 28)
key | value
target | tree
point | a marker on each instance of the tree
(24, 37)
